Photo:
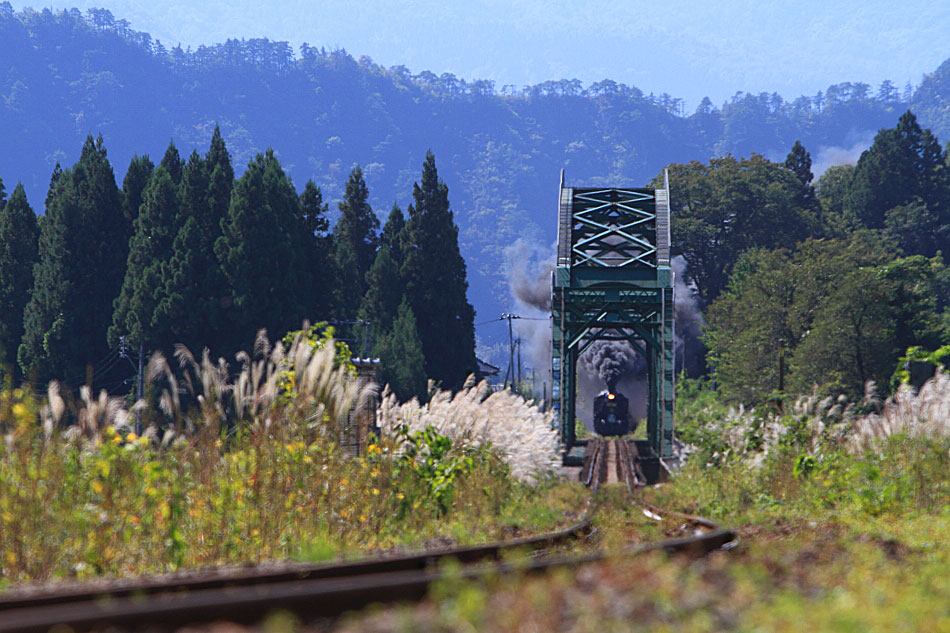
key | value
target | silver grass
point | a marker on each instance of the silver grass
(522, 435)
(924, 414)
(323, 392)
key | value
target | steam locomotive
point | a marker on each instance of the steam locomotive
(611, 416)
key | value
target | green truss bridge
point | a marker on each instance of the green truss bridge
(613, 281)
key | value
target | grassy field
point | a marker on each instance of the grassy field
(844, 516)
(843, 508)
(252, 472)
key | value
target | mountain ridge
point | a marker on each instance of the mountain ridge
(66, 74)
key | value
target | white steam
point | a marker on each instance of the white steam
(848, 154)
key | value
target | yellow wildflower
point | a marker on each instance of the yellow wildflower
(21, 411)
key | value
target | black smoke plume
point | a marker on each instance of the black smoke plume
(610, 360)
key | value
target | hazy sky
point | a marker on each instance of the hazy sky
(686, 48)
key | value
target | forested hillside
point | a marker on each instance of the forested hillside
(66, 75)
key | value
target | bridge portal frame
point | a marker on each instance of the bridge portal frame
(613, 281)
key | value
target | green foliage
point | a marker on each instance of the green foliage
(902, 164)
(843, 311)
(401, 359)
(136, 178)
(317, 244)
(354, 244)
(18, 254)
(804, 465)
(430, 457)
(172, 163)
(384, 291)
(918, 365)
(833, 188)
(915, 228)
(699, 408)
(434, 274)
(393, 234)
(798, 162)
(318, 336)
(260, 252)
(150, 251)
(728, 206)
(194, 285)
(82, 255)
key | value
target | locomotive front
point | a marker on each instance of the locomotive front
(611, 417)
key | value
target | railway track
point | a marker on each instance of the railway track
(327, 591)
(609, 456)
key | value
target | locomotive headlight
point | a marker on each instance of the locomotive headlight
(611, 396)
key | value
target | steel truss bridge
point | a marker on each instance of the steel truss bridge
(613, 282)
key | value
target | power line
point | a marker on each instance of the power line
(514, 316)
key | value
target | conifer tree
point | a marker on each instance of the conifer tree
(354, 244)
(150, 250)
(798, 162)
(313, 211)
(18, 254)
(384, 292)
(172, 163)
(218, 155)
(903, 163)
(393, 233)
(322, 283)
(193, 282)
(53, 179)
(401, 360)
(259, 252)
(136, 178)
(82, 253)
(435, 280)
(384, 283)
(220, 177)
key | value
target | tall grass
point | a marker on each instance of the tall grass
(921, 414)
(870, 457)
(475, 416)
(233, 467)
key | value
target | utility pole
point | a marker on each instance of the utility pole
(138, 395)
(511, 348)
(139, 377)
(519, 360)
(366, 325)
(781, 365)
(781, 374)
